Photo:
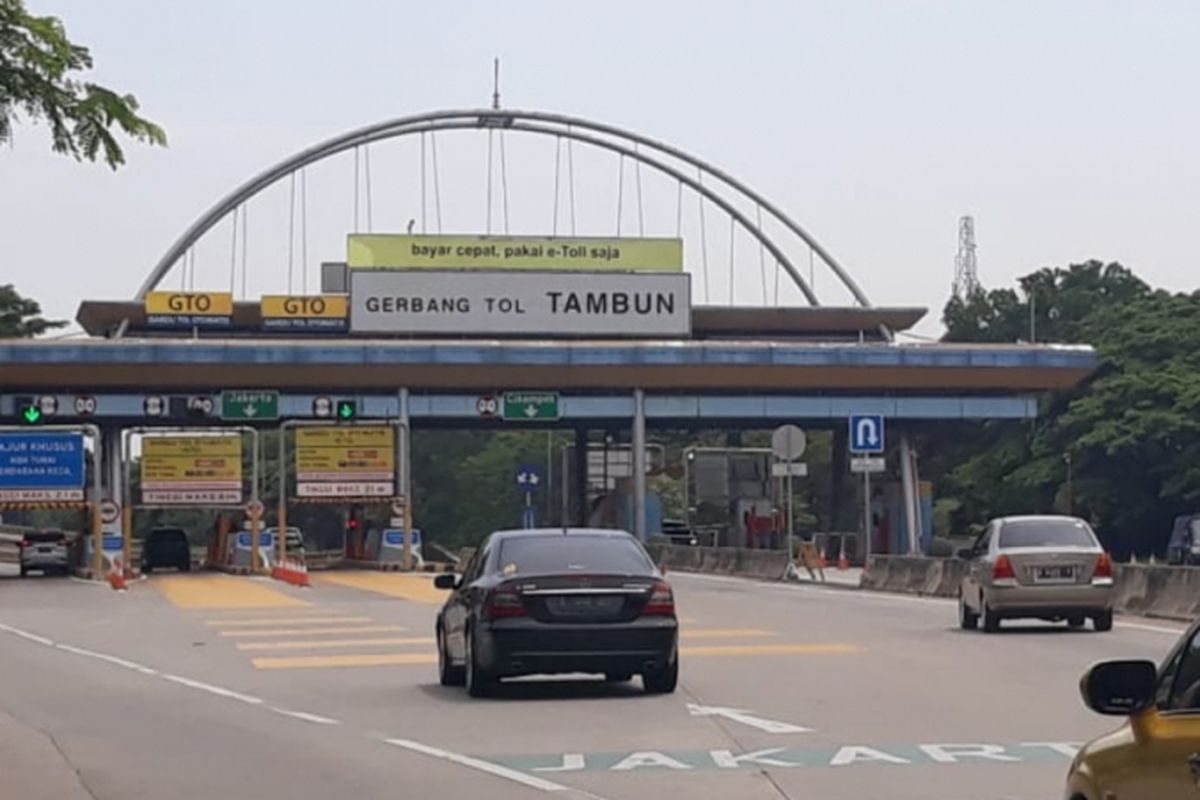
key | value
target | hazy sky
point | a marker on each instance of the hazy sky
(1069, 130)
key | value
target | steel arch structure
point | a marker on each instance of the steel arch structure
(643, 149)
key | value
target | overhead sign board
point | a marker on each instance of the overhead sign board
(192, 470)
(407, 251)
(189, 309)
(38, 467)
(345, 462)
(313, 313)
(530, 406)
(250, 404)
(866, 433)
(545, 303)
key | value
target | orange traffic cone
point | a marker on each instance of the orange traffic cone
(824, 561)
(117, 581)
(843, 563)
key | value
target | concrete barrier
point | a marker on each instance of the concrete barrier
(761, 564)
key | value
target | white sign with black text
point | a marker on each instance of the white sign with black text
(492, 302)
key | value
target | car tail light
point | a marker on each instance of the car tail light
(26, 543)
(1003, 569)
(1103, 567)
(661, 602)
(504, 601)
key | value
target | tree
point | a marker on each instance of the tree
(20, 317)
(37, 61)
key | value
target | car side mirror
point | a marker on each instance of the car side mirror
(1119, 688)
(445, 580)
(965, 553)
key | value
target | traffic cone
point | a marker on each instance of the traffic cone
(116, 580)
(824, 562)
(843, 563)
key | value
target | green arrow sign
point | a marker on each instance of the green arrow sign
(32, 415)
(530, 406)
(250, 405)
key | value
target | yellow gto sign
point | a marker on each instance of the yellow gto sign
(192, 469)
(332, 454)
(397, 251)
(194, 304)
(328, 306)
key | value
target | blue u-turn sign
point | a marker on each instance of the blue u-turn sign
(866, 433)
(41, 466)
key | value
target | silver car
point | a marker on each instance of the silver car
(1043, 567)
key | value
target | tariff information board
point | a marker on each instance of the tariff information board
(192, 470)
(345, 462)
(38, 467)
(409, 251)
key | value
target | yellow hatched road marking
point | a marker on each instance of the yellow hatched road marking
(769, 649)
(332, 643)
(417, 588)
(319, 662)
(317, 631)
(721, 633)
(222, 591)
(247, 623)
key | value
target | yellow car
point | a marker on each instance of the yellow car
(1155, 755)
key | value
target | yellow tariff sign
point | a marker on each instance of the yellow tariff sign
(194, 304)
(399, 251)
(192, 464)
(332, 454)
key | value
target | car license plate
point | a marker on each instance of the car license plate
(584, 605)
(45, 549)
(1054, 574)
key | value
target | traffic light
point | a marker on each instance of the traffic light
(346, 409)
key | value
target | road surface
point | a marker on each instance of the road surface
(200, 686)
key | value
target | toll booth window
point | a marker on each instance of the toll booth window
(541, 555)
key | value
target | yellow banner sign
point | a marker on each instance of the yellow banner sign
(192, 304)
(341, 454)
(398, 251)
(326, 306)
(193, 463)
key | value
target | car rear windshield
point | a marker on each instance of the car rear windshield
(541, 555)
(45, 537)
(168, 535)
(1046, 533)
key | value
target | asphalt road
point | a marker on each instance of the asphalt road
(203, 686)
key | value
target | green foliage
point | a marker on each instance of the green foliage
(20, 317)
(1131, 434)
(37, 62)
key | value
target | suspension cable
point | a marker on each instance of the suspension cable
(703, 236)
(489, 182)
(812, 270)
(620, 189)
(291, 267)
(762, 253)
(637, 174)
(571, 178)
(367, 170)
(233, 252)
(183, 270)
(504, 182)
(437, 192)
(679, 211)
(304, 229)
(356, 192)
(732, 241)
(245, 244)
(423, 227)
(557, 164)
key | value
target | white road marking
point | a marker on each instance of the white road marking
(305, 716)
(889, 598)
(746, 718)
(217, 690)
(33, 637)
(516, 776)
(120, 662)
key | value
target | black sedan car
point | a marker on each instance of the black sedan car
(555, 601)
(166, 547)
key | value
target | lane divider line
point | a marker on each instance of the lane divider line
(266, 622)
(217, 690)
(305, 716)
(499, 771)
(314, 631)
(333, 643)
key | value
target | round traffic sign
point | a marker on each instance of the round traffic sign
(487, 406)
(397, 508)
(110, 511)
(788, 442)
(254, 509)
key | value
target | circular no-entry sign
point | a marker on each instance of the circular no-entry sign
(110, 511)
(254, 509)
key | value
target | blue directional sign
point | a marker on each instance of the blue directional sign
(529, 478)
(41, 466)
(866, 433)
